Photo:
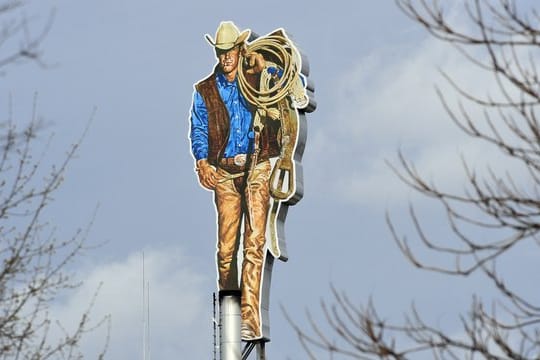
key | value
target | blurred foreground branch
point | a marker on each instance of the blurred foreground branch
(19, 40)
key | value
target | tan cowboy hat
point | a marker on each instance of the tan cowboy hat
(227, 36)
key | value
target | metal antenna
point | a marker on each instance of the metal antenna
(143, 309)
(145, 313)
(148, 320)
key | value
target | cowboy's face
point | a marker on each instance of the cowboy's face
(228, 59)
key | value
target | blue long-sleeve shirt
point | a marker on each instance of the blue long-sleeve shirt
(240, 134)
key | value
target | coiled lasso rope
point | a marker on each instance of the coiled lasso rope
(278, 47)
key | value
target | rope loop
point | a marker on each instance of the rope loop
(277, 48)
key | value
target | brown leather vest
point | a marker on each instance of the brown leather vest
(218, 122)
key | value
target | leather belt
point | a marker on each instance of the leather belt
(236, 164)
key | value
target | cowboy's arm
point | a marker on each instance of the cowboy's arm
(199, 142)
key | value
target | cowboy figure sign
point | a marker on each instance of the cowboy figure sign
(244, 118)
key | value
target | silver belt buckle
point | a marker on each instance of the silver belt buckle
(240, 159)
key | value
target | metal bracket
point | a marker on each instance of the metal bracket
(250, 345)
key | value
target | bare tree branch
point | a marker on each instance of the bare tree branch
(496, 211)
(33, 259)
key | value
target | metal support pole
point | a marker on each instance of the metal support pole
(261, 354)
(229, 325)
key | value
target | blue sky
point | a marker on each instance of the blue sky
(135, 62)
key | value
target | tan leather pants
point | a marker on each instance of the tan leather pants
(252, 204)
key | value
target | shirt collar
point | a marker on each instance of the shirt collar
(222, 80)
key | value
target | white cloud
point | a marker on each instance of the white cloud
(180, 319)
(387, 102)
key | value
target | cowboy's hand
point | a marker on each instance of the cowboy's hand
(272, 113)
(256, 63)
(208, 176)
